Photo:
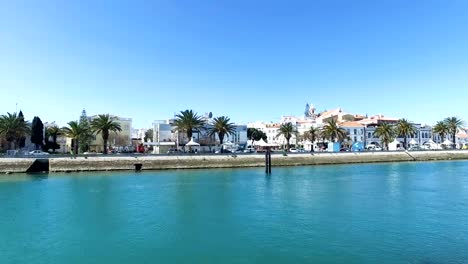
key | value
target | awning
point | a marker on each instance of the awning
(192, 143)
(447, 142)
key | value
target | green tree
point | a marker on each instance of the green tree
(333, 132)
(37, 132)
(22, 140)
(405, 129)
(13, 128)
(187, 121)
(386, 133)
(148, 135)
(104, 124)
(87, 136)
(74, 131)
(254, 134)
(54, 132)
(442, 129)
(312, 135)
(222, 127)
(287, 131)
(453, 123)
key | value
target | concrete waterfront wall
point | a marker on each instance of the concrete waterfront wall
(108, 163)
(14, 165)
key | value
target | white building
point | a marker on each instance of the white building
(116, 139)
(422, 136)
(166, 136)
(139, 133)
(462, 138)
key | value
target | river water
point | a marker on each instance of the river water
(368, 213)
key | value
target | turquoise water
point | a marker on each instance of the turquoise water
(378, 213)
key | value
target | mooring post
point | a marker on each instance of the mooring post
(268, 161)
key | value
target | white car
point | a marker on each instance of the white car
(293, 150)
(38, 153)
(373, 147)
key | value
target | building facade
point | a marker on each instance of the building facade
(116, 139)
(166, 137)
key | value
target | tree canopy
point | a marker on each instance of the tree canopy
(222, 126)
(187, 121)
(104, 124)
(37, 132)
(287, 131)
(333, 132)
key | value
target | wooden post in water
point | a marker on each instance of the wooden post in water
(268, 161)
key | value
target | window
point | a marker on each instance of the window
(355, 138)
(355, 132)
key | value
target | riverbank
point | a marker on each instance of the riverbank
(110, 163)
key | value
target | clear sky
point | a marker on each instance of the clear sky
(250, 60)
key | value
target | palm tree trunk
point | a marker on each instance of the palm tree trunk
(221, 140)
(189, 134)
(287, 145)
(406, 146)
(54, 139)
(105, 145)
(76, 146)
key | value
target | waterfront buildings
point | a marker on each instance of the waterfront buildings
(116, 139)
(166, 137)
(359, 128)
(139, 133)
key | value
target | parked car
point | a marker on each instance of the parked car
(293, 150)
(415, 148)
(373, 147)
(38, 153)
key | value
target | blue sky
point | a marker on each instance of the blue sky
(250, 60)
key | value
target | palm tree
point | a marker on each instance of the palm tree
(442, 129)
(386, 133)
(13, 127)
(287, 131)
(222, 127)
(405, 129)
(54, 132)
(333, 132)
(312, 135)
(74, 131)
(104, 124)
(187, 121)
(453, 124)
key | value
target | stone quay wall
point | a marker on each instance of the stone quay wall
(110, 163)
